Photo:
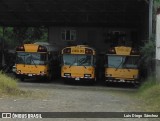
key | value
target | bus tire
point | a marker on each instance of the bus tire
(49, 78)
(92, 82)
(66, 81)
(22, 79)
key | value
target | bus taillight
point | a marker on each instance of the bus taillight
(134, 52)
(20, 48)
(112, 51)
(42, 49)
(67, 50)
(88, 51)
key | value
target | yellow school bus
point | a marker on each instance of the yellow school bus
(121, 64)
(39, 59)
(78, 63)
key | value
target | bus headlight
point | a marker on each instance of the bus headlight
(67, 74)
(18, 71)
(87, 75)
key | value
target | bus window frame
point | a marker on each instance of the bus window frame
(92, 59)
(45, 62)
(106, 61)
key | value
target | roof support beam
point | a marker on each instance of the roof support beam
(31, 8)
(11, 12)
(150, 18)
(37, 12)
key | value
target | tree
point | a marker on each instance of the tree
(14, 36)
(148, 56)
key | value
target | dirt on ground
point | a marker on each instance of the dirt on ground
(58, 97)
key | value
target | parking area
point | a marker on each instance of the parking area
(74, 97)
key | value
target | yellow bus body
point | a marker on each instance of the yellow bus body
(116, 74)
(78, 72)
(122, 74)
(31, 69)
(31, 47)
(35, 70)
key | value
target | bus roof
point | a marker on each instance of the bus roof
(50, 47)
(79, 49)
(83, 46)
(42, 43)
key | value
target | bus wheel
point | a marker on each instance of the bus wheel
(22, 79)
(66, 81)
(49, 78)
(92, 82)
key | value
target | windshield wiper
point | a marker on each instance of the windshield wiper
(118, 66)
(124, 63)
(84, 66)
(83, 60)
(72, 63)
(33, 61)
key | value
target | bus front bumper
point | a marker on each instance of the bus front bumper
(27, 75)
(79, 78)
(130, 80)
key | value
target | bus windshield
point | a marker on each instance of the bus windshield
(115, 61)
(78, 60)
(31, 58)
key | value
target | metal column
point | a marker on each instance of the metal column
(150, 17)
(3, 60)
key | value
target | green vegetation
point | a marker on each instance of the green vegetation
(148, 58)
(148, 51)
(8, 87)
(149, 93)
(14, 36)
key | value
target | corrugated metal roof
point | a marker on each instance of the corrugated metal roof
(72, 12)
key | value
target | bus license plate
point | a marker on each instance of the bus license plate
(29, 74)
(122, 80)
(77, 78)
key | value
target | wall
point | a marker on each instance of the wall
(93, 36)
(158, 46)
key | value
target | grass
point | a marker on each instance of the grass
(149, 93)
(9, 87)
